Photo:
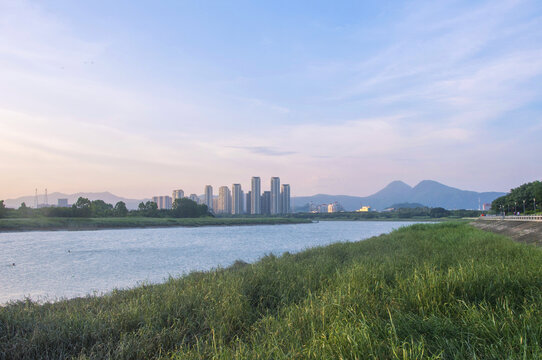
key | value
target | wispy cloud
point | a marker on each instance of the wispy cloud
(428, 86)
(264, 150)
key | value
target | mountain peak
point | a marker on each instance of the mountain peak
(430, 185)
(397, 185)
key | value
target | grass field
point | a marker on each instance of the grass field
(45, 223)
(436, 291)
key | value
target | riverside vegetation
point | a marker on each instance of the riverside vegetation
(426, 291)
(522, 199)
(90, 215)
(45, 223)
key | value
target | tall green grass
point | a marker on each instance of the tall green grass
(443, 291)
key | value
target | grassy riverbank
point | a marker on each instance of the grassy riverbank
(430, 290)
(45, 223)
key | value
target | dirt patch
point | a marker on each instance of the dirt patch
(529, 232)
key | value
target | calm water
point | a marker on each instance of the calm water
(65, 264)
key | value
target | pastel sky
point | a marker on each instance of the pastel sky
(339, 97)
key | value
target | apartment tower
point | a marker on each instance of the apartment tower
(237, 199)
(275, 196)
(224, 200)
(255, 199)
(194, 198)
(248, 205)
(266, 203)
(208, 200)
(177, 194)
(163, 202)
(285, 198)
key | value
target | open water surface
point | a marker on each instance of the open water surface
(50, 265)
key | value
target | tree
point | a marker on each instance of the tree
(184, 208)
(100, 208)
(439, 212)
(2, 209)
(23, 210)
(81, 208)
(523, 193)
(120, 209)
(82, 203)
(150, 208)
(203, 210)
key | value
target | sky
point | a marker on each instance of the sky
(338, 97)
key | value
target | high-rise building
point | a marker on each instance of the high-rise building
(248, 203)
(177, 194)
(255, 200)
(237, 199)
(285, 198)
(208, 197)
(195, 198)
(266, 203)
(224, 200)
(163, 202)
(215, 203)
(275, 196)
(243, 203)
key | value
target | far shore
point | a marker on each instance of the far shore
(85, 224)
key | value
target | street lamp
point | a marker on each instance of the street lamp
(534, 205)
(523, 207)
(515, 205)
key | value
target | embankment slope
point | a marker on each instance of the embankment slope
(528, 232)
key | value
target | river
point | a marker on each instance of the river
(51, 265)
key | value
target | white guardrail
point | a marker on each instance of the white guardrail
(513, 217)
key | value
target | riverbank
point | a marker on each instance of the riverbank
(528, 232)
(74, 224)
(426, 291)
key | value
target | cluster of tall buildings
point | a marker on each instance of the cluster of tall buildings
(235, 201)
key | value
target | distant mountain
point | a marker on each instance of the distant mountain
(427, 193)
(52, 199)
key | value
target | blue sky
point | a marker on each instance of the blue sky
(139, 98)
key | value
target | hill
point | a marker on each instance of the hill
(427, 193)
(407, 206)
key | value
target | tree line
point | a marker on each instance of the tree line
(85, 208)
(526, 199)
(401, 213)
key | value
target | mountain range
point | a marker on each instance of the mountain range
(428, 193)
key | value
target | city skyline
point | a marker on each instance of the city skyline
(273, 202)
(338, 97)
